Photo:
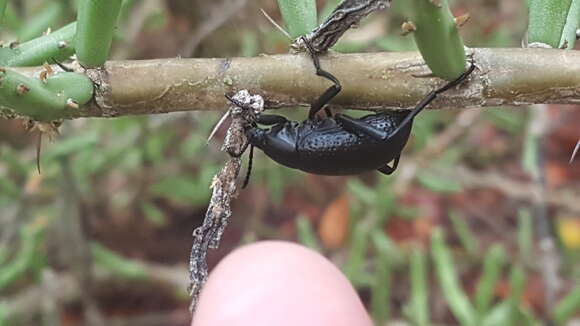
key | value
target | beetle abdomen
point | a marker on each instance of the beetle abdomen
(336, 151)
(325, 147)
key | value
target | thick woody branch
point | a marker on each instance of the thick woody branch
(370, 81)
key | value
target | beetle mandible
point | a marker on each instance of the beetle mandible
(339, 145)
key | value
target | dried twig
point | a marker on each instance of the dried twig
(549, 255)
(347, 15)
(224, 188)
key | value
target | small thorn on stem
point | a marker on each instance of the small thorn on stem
(408, 27)
(574, 152)
(22, 89)
(437, 3)
(462, 20)
(72, 104)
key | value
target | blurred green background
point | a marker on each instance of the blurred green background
(104, 232)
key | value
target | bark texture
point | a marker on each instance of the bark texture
(372, 81)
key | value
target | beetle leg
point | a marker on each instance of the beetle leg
(249, 172)
(330, 92)
(328, 112)
(356, 126)
(389, 170)
(271, 119)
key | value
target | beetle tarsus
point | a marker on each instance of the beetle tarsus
(388, 170)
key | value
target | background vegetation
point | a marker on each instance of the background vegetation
(104, 232)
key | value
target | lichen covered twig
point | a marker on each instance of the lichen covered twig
(224, 189)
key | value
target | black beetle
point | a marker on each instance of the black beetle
(339, 145)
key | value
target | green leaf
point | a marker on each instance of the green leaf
(381, 288)
(466, 237)
(418, 308)
(499, 315)
(299, 16)
(492, 265)
(437, 183)
(525, 233)
(353, 268)
(153, 214)
(72, 145)
(567, 307)
(117, 264)
(306, 234)
(546, 21)
(445, 268)
(2, 10)
(568, 39)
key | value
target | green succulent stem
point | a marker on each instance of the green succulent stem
(57, 45)
(568, 40)
(567, 307)
(3, 4)
(31, 237)
(419, 305)
(299, 16)
(444, 266)
(492, 265)
(437, 37)
(547, 19)
(49, 15)
(44, 100)
(97, 21)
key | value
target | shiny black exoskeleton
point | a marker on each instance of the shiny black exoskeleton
(334, 146)
(339, 145)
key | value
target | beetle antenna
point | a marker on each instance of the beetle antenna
(273, 22)
(247, 180)
(574, 152)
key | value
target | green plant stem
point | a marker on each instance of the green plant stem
(437, 38)
(568, 39)
(116, 264)
(492, 265)
(567, 307)
(546, 20)
(306, 234)
(353, 268)
(466, 237)
(38, 24)
(419, 309)
(381, 288)
(517, 284)
(299, 16)
(445, 268)
(43, 101)
(11, 18)
(31, 237)
(3, 4)
(57, 45)
(97, 20)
